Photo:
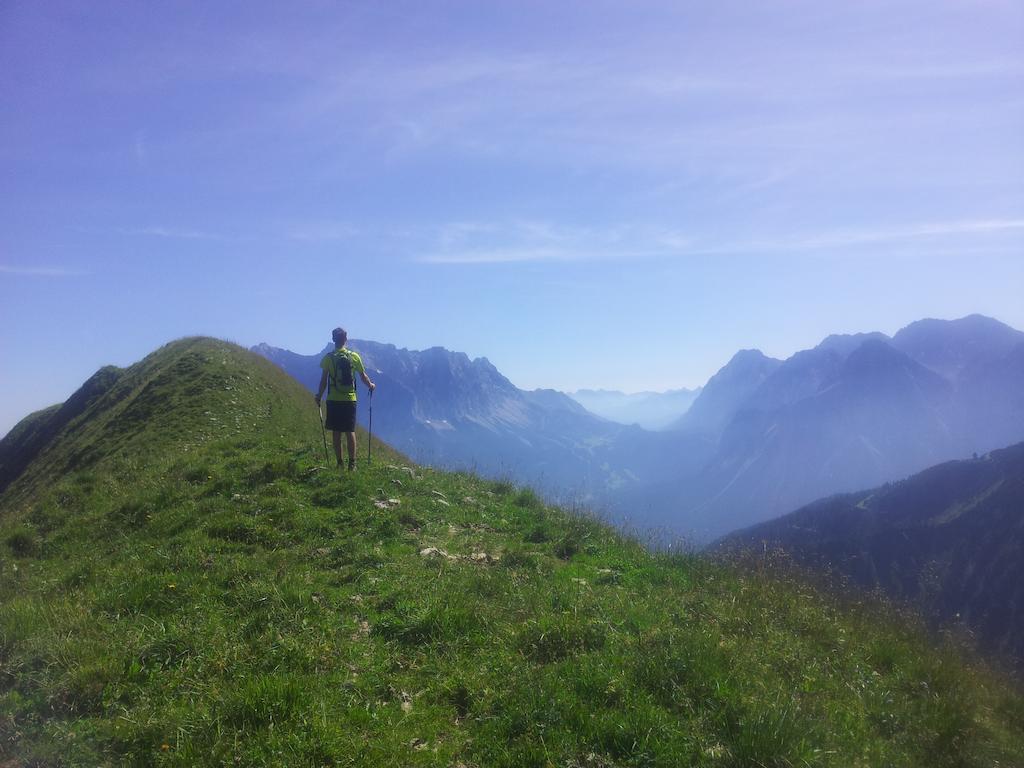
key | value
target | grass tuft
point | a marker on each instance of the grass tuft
(22, 541)
(549, 640)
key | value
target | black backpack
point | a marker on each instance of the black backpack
(341, 371)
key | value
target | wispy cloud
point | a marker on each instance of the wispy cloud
(174, 233)
(10, 269)
(846, 238)
(523, 240)
(311, 231)
(650, 107)
(544, 242)
(951, 71)
(502, 256)
(494, 104)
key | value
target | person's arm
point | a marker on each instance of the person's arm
(323, 385)
(366, 380)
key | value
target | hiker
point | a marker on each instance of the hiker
(339, 368)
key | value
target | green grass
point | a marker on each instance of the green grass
(205, 592)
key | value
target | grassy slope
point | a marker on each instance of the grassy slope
(203, 592)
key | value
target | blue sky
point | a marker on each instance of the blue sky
(591, 194)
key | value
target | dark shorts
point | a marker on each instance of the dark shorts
(341, 416)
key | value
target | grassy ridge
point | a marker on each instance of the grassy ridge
(202, 591)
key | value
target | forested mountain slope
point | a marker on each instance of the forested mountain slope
(949, 540)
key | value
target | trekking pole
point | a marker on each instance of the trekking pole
(369, 439)
(323, 431)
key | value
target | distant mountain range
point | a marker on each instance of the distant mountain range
(650, 410)
(949, 540)
(726, 392)
(761, 438)
(442, 408)
(853, 412)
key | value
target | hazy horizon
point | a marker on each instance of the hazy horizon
(5, 427)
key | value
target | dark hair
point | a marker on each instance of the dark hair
(339, 335)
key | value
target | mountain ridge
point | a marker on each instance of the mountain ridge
(445, 409)
(857, 411)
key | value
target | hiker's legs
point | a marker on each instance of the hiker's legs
(351, 436)
(336, 439)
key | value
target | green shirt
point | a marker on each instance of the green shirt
(341, 366)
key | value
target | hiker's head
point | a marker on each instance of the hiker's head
(340, 336)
